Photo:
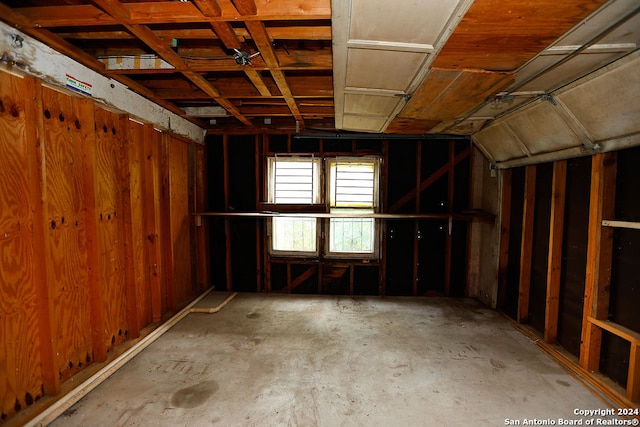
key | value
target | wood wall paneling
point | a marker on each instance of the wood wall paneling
(124, 177)
(180, 223)
(140, 238)
(21, 376)
(152, 208)
(110, 225)
(65, 126)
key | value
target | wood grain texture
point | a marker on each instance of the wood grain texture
(153, 191)
(67, 268)
(180, 220)
(21, 381)
(502, 35)
(438, 99)
(108, 142)
(526, 244)
(141, 270)
(599, 253)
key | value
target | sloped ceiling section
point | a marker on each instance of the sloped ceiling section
(600, 112)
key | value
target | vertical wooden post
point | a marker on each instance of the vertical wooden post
(227, 224)
(288, 278)
(450, 197)
(555, 250)
(527, 243)
(599, 251)
(633, 376)
(505, 231)
(35, 143)
(416, 240)
(133, 321)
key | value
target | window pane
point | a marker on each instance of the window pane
(352, 183)
(294, 234)
(294, 180)
(352, 235)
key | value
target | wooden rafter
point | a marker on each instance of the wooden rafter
(227, 35)
(61, 45)
(144, 33)
(262, 40)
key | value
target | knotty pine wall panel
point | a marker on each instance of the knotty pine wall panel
(68, 123)
(110, 239)
(141, 267)
(21, 379)
(180, 220)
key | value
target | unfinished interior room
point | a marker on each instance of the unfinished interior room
(319, 212)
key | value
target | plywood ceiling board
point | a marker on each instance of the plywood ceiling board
(503, 35)
(608, 105)
(436, 82)
(410, 126)
(472, 87)
(382, 69)
(417, 21)
(541, 129)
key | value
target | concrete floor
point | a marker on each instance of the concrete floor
(281, 360)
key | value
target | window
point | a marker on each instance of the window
(294, 180)
(352, 189)
(351, 192)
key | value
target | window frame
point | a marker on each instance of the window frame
(322, 203)
(332, 206)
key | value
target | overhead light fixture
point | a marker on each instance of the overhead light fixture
(242, 57)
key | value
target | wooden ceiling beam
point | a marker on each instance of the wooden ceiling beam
(263, 42)
(144, 33)
(64, 47)
(258, 82)
(145, 13)
(275, 33)
(246, 7)
(208, 7)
